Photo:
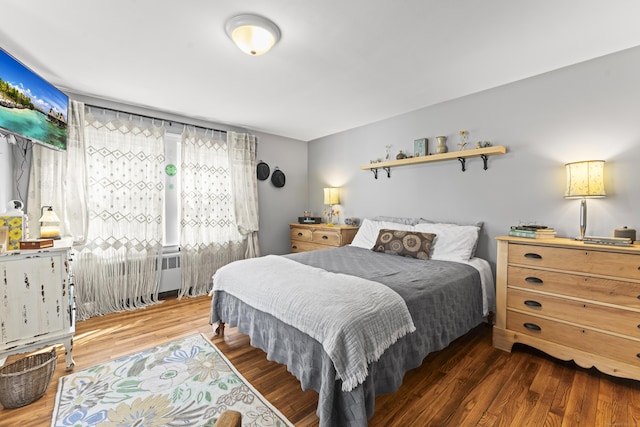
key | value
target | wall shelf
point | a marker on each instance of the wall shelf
(461, 156)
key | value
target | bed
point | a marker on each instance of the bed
(446, 296)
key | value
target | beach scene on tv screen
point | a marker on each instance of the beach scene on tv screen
(30, 106)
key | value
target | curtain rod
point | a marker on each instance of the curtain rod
(153, 118)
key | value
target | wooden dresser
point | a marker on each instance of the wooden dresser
(572, 300)
(310, 237)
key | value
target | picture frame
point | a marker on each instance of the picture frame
(420, 147)
(15, 225)
(4, 238)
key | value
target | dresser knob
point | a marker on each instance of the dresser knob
(531, 303)
(294, 247)
(325, 237)
(532, 255)
(299, 234)
(532, 326)
(538, 281)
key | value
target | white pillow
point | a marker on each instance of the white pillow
(453, 242)
(368, 232)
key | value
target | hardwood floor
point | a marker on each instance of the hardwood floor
(469, 383)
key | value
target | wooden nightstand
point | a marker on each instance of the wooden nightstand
(310, 237)
(572, 300)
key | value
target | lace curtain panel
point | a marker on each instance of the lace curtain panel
(53, 183)
(116, 269)
(209, 236)
(244, 184)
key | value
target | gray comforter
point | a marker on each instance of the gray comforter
(444, 299)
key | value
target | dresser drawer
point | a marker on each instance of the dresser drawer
(613, 347)
(588, 314)
(302, 246)
(617, 292)
(326, 237)
(579, 260)
(301, 234)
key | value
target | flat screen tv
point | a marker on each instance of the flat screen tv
(30, 106)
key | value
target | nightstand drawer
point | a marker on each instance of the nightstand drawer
(589, 314)
(301, 234)
(326, 237)
(613, 347)
(605, 290)
(579, 260)
(302, 246)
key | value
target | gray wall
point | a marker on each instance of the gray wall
(280, 206)
(587, 111)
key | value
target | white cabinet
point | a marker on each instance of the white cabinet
(36, 302)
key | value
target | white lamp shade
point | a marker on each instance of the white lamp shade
(48, 215)
(585, 179)
(331, 196)
(253, 34)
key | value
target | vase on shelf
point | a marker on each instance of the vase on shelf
(442, 144)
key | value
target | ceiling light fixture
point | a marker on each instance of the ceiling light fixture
(253, 34)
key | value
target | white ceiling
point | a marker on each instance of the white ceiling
(340, 63)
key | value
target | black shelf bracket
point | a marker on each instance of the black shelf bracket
(484, 159)
(463, 163)
(386, 168)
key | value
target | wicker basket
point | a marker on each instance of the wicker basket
(26, 380)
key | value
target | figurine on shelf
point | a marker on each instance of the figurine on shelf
(464, 139)
(401, 155)
(442, 144)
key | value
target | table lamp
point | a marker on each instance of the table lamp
(331, 197)
(49, 224)
(585, 180)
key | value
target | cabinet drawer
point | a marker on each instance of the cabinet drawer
(617, 292)
(301, 234)
(590, 261)
(589, 314)
(623, 349)
(302, 246)
(326, 237)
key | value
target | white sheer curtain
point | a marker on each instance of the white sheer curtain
(59, 179)
(209, 236)
(116, 269)
(244, 184)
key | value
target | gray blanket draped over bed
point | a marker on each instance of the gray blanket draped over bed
(444, 299)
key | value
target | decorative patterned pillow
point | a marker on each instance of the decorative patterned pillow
(404, 243)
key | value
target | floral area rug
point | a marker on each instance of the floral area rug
(186, 382)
